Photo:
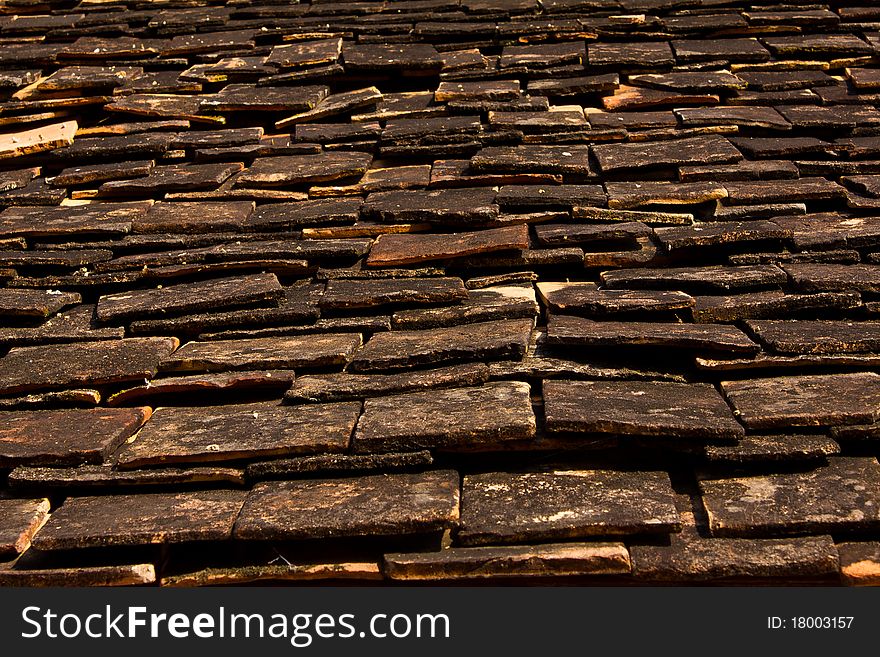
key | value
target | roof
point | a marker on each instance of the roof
(439, 290)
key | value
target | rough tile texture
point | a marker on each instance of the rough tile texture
(510, 508)
(128, 520)
(357, 240)
(810, 400)
(553, 560)
(840, 496)
(66, 437)
(19, 521)
(456, 417)
(235, 432)
(362, 506)
(655, 408)
(691, 557)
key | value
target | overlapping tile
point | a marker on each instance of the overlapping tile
(633, 240)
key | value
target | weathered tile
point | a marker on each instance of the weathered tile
(345, 386)
(132, 520)
(239, 382)
(479, 90)
(287, 216)
(106, 477)
(625, 196)
(836, 117)
(37, 140)
(804, 401)
(415, 57)
(712, 278)
(733, 50)
(578, 233)
(406, 249)
(193, 217)
(307, 572)
(649, 408)
(782, 191)
(473, 418)
(860, 563)
(230, 292)
(817, 337)
(775, 448)
(34, 303)
(459, 173)
(90, 219)
(633, 120)
(571, 159)
(306, 53)
(380, 505)
(709, 234)
(77, 324)
(76, 398)
(99, 173)
(742, 170)
(283, 352)
(775, 363)
(298, 305)
(586, 299)
(543, 55)
(19, 521)
(691, 557)
(303, 169)
(431, 131)
(17, 179)
(634, 54)
(816, 46)
(339, 463)
(212, 42)
(549, 560)
(690, 81)
(164, 105)
(651, 218)
(774, 211)
(100, 48)
(511, 508)
(345, 102)
(456, 207)
(25, 369)
(561, 87)
(834, 278)
(134, 575)
(694, 150)
(245, 98)
(746, 117)
(541, 196)
(172, 178)
(559, 119)
(571, 330)
(239, 431)
(105, 147)
(37, 192)
(779, 147)
(627, 98)
(66, 437)
(381, 180)
(397, 350)
(838, 497)
(769, 303)
(491, 303)
(786, 80)
(330, 133)
(343, 294)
